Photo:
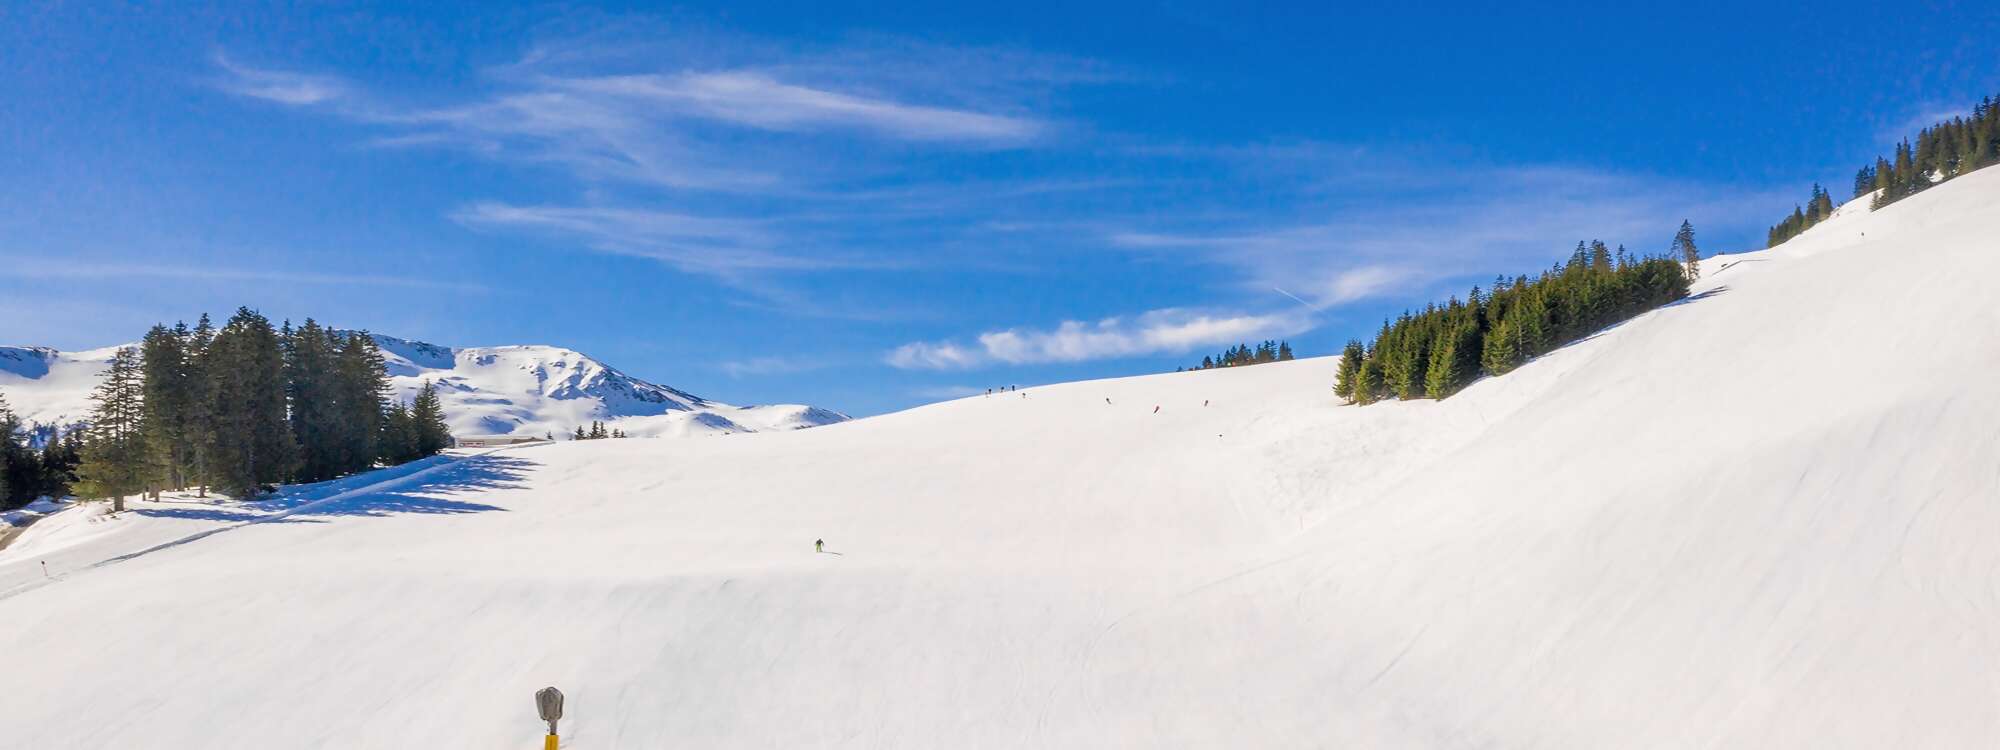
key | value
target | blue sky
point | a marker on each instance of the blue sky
(871, 207)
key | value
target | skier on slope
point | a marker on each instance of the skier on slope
(819, 545)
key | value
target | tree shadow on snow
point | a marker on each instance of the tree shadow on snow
(1688, 300)
(432, 494)
(222, 514)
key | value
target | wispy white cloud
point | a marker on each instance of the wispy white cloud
(696, 244)
(924, 355)
(29, 268)
(1482, 221)
(681, 128)
(1164, 331)
(756, 99)
(283, 87)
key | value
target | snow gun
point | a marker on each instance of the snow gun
(548, 701)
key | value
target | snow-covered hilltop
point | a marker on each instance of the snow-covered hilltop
(50, 387)
(1762, 517)
(500, 390)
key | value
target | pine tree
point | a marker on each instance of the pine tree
(1284, 351)
(253, 438)
(1350, 369)
(362, 387)
(201, 425)
(398, 441)
(580, 434)
(317, 424)
(170, 393)
(19, 469)
(427, 418)
(1684, 249)
(57, 466)
(1368, 381)
(1502, 351)
(114, 455)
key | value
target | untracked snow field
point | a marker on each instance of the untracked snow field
(1763, 517)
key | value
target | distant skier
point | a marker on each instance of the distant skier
(1156, 408)
(819, 545)
(1204, 402)
(1107, 399)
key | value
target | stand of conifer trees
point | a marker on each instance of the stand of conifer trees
(1435, 352)
(247, 406)
(1240, 354)
(27, 473)
(596, 432)
(1943, 151)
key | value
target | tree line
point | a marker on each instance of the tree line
(28, 472)
(247, 406)
(1241, 354)
(1942, 151)
(596, 432)
(1437, 351)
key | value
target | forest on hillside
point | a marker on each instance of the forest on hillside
(1941, 152)
(236, 409)
(1434, 352)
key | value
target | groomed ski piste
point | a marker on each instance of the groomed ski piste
(1763, 517)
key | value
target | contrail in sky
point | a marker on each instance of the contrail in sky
(1295, 298)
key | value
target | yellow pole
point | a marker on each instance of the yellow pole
(549, 743)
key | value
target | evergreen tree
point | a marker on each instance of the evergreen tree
(398, 442)
(1368, 381)
(1502, 350)
(20, 471)
(114, 454)
(170, 391)
(580, 434)
(317, 424)
(1284, 351)
(1684, 249)
(427, 418)
(362, 386)
(1350, 368)
(253, 438)
(201, 424)
(57, 466)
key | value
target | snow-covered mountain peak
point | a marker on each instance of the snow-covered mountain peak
(492, 390)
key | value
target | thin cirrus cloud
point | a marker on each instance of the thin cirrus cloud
(1495, 220)
(783, 141)
(756, 99)
(284, 87)
(695, 244)
(655, 128)
(1167, 331)
(33, 269)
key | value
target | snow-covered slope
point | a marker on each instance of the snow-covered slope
(531, 390)
(501, 390)
(1759, 518)
(46, 386)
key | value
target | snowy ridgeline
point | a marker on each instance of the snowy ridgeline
(1760, 517)
(501, 390)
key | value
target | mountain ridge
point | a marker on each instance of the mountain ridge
(516, 389)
